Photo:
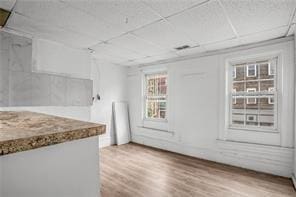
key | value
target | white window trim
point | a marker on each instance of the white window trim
(144, 86)
(253, 90)
(269, 99)
(269, 69)
(228, 127)
(255, 67)
(234, 72)
(234, 91)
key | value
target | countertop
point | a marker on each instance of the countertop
(24, 130)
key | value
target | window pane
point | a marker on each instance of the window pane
(240, 72)
(266, 114)
(238, 112)
(155, 108)
(252, 106)
(251, 70)
(264, 71)
(253, 95)
(156, 93)
(156, 85)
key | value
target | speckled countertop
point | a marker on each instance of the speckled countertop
(21, 131)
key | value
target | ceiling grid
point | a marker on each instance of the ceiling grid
(135, 32)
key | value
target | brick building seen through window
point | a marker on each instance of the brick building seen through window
(254, 94)
(156, 96)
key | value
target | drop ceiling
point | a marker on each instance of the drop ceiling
(133, 32)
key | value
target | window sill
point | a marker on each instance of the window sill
(155, 129)
(155, 120)
(232, 128)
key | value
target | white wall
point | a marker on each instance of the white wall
(110, 82)
(196, 116)
(52, 57)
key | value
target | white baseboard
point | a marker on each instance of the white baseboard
(268, 159)
(294, 180)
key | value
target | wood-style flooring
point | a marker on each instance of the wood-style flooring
(133, 170)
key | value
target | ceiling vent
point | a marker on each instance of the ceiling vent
(4, 15)
(182, 47)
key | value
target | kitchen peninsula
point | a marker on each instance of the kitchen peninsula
(43, 155)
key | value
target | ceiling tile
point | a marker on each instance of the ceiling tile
(163, 34)
(222, 45)
(124, 14)
(108, 58)
(55, 13)
(262, 36)
(25, 25)
(163, 56)
(205, 24)
(294, 18)
(129, 63)
(114, 50)
(258, 15)
(133, 43)
(7, 4)
(41, 10)
(168, 7)
(291, 30)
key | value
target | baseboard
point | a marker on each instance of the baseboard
(294, 180)
(272, 160)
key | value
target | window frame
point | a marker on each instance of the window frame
(234, 91)
(269, 98)
(269, 70)
(253, 59)
(234, 73)
(144, 95)
(248, 102)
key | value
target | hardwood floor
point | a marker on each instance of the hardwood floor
(133, 170)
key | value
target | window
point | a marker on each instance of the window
(253, 104)
(251, 118)
(271, 98)
(271, 68)
(233, 96)
(155, 96)
(251, 70)
(251, 99)
(234, 72)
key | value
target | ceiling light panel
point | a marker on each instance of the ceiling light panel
(164, 34)
(260, 15)
(205, 24)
